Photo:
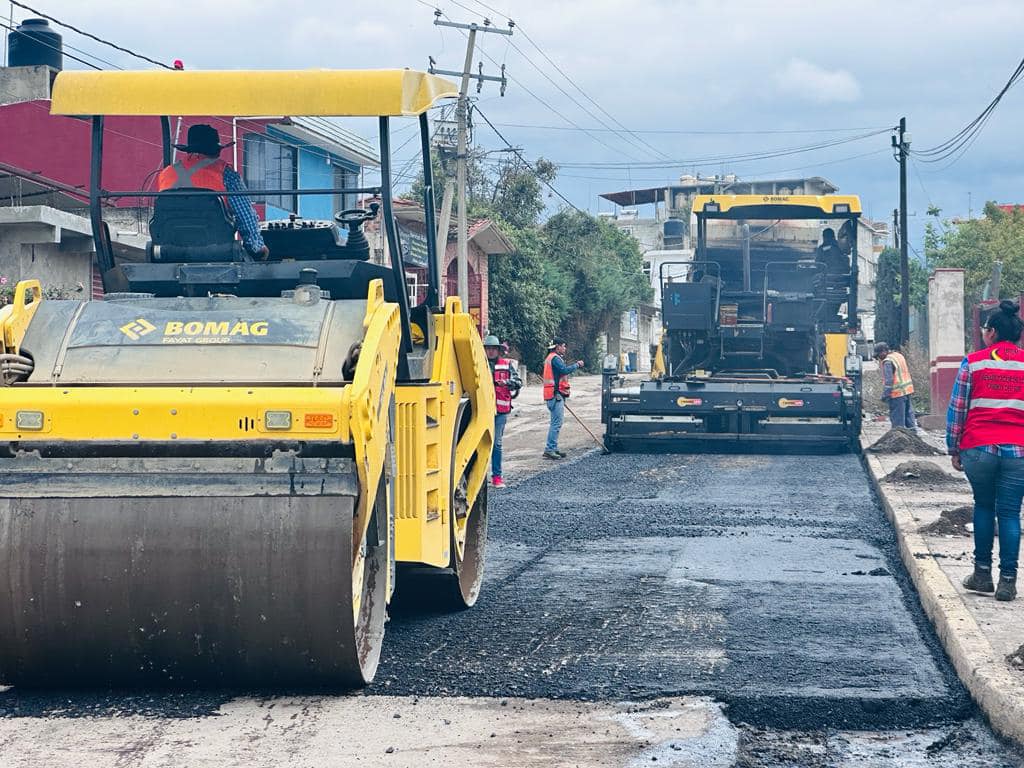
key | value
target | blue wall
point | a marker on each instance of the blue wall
(315, 172)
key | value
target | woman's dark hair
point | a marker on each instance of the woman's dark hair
(1006, 322)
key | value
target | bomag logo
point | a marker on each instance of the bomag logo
(197, 331)
(212, 331)
(137, 328)
(784, 403)
(682, 402)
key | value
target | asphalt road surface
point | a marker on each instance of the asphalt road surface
(637, 610)
(770, 584)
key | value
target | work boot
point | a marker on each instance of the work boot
(1007, 589)
(498, 482)
(980, 580)
(562, 454)
(552, 455)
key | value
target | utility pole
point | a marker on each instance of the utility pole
(901, 151)
(462, 118)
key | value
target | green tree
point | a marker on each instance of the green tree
(523, 308)
(976, 245)
(518, 198)
(887, 298)
(573, 276)
(597, 272)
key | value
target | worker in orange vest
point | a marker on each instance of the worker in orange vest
(556, 390)
(202, 168)
(506, 388)
(897, 386)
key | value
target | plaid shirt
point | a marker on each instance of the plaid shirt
(246, 220)
(956, 418)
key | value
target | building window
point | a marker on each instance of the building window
(344, 178)
(270, 164)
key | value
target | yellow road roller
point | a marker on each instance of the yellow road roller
(217, 474)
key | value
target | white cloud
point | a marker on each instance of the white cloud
(814, 83)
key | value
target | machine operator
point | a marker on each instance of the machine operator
(202, 168)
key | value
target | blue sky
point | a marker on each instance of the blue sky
(693, 65)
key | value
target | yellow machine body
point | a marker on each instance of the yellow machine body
(217, 485)
(837, 347)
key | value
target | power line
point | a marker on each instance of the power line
(91, 36)
(621, 132)
(519, 154)
(962, 140)
(537, 98)
(695, 132)
(719, 159)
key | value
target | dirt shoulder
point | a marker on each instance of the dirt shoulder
(527, 428)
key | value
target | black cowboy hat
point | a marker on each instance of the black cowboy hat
(203, 140)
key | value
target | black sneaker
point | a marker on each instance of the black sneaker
(562, 454)
(552, 455)
(980, 580)
(1007, 589)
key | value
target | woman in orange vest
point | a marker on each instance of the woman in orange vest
(556, 389)
(506, 388)
(985, 437)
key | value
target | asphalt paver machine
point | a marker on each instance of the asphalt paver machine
(755, 351)
(220, 473)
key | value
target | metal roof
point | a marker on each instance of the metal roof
(648, 195)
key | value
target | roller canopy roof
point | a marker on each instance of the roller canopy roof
(250, 93)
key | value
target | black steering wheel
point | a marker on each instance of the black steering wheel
(357, 215)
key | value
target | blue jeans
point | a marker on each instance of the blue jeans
(499, 430)
(556, 406)
(998, 485)
(901, 412)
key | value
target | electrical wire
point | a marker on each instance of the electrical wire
(701, 132)
(622, 132)
(91, 36)
(519, 154)
(720, 159)
(962, 140)
(541, 101)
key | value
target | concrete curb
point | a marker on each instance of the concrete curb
(998, 692)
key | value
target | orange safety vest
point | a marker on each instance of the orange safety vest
(901, 382)
(502, 391)
(195, 171)
(549, 380)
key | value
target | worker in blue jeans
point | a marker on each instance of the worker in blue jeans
(556, 390)
(506, 388)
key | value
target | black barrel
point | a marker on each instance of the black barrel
(34, 43)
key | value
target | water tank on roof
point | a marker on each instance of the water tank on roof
(34, 43)
(673, 231)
